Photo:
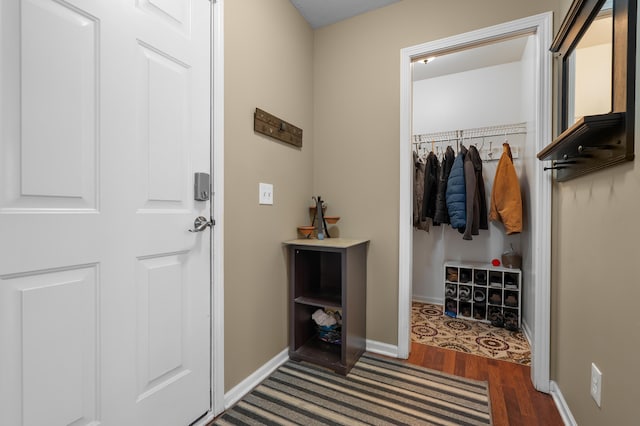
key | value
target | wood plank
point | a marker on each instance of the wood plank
(498, 402)
(449, 362)
(274, 127)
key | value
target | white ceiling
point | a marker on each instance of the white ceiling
(319, 13)
(502, 52)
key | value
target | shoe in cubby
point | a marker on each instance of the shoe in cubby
(511, 299)
(452, 274)
(479, 312)
(464, 293)
(511, 320)
(479, 295)
(495, 316)
(495, 278)
(450, 291)
(450, 307)
(480, 277)
(510, 281)
(465, 275)
(465, 309)
(495, 297)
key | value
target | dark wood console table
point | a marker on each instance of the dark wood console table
(328, 274)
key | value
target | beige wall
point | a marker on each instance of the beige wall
(595, 290)
(268, 64)
(350, 115)
(564, 8)
(356, 121)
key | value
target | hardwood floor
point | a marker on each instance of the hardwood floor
(514, 401)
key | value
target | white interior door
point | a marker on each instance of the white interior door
(104, 294)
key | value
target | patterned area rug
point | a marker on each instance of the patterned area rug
(376, 391)
(430, 327)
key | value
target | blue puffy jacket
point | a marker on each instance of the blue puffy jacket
(456, 193)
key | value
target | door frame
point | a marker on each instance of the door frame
(540, 26)
(217, 211)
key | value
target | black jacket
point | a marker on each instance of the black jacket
(418, 193)
(430, 186)
(442, 215)
(476, 196)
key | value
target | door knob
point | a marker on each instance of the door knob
(200, 224)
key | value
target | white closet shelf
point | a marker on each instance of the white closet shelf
(488, 150)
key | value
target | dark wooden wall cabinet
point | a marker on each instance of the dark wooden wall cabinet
(327, 274)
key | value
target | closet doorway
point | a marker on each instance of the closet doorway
(529, 110)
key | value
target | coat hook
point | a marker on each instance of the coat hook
(583, 148)
(283, 126)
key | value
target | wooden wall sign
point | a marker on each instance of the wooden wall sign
(274, 127)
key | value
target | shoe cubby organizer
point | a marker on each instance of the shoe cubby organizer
(483, 292)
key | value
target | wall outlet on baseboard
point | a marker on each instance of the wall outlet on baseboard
(596, 384)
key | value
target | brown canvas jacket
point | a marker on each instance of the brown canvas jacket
(506, 199)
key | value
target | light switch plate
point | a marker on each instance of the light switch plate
(265, 195)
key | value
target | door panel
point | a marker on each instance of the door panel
(43, 174)
(54, 314)
(68, 52)
(164, 110)
(162, 316)
(104, 294)
(174, 13)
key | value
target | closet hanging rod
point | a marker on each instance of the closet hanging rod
(418, 139)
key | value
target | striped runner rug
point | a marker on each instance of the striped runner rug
(377, 391)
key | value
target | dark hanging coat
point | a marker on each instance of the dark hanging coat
(442, 215)
(456, 193)
(476, 202)
(418, 193)
(431, 172)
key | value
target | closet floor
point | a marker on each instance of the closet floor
(429, 326)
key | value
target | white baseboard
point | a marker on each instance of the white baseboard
(562, 406)
(527, 332)
(423, 299)
(245, 386)
(382, 348)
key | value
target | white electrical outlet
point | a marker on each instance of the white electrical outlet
(596, 384)
(265, 195)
